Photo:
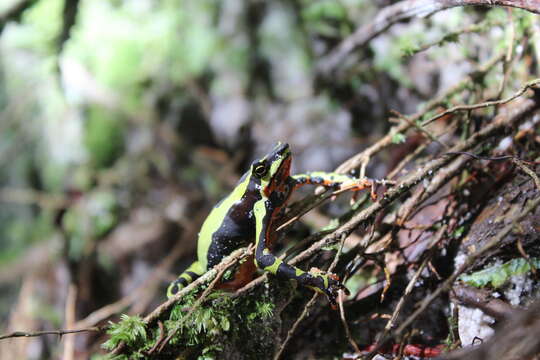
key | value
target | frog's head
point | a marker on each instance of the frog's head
(273, 170)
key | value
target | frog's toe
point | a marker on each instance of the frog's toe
(332, 291)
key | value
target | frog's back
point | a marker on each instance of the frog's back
(229, 226)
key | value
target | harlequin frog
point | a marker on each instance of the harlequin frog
(249, 213)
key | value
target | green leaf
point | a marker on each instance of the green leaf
(398, 138)
(498, 275)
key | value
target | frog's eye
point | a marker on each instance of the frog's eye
(260, 169)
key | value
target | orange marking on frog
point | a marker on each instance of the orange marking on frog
(242, 276)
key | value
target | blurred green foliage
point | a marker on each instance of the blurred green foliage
(103, 137)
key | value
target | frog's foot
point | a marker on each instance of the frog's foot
(328, 284)
(358, 185)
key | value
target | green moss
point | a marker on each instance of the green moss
(247, 325)
(129, 330)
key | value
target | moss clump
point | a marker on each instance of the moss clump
(244, 327)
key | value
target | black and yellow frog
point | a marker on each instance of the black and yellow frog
(249, 214)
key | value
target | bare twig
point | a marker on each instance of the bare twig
(69, 345)
(161, 310)
(509, 53)
(51, 332)
(529, 85)
(420, 128)
(292, 330)
(521, 164)
(452, 36)
(517, 339)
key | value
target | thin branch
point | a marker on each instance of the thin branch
(521, 164)
(481, 299)
(16, 334)
(452, 36)
(363, 157)
(531, 84)
(164, 308)
(420, 128)
(292, 330)
(401, 11)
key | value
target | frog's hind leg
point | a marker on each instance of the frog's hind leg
(187, 277)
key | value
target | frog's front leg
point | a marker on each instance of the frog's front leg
(326, 283)
(334, 180)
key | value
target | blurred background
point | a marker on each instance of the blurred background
(122, 122)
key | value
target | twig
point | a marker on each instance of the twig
(363, 157)
(401, 11)
(395, 171)
(69, 345)
(443, 177)
(51, 332)
(517, 339)
(420, 128)
(521, 164)
(530, 84)
(295, 325)
(453, 36)
(160, 311)
(159, 340)
(318, 199)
